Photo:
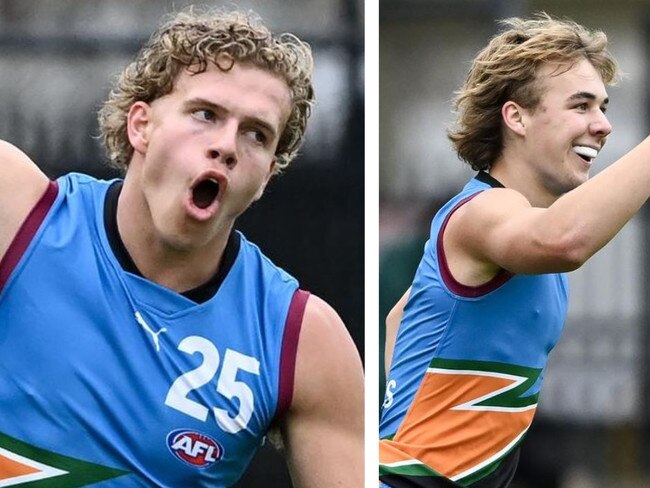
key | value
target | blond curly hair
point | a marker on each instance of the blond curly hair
(506, 69)
(191, 39)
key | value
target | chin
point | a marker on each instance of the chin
(577, 179)
(562, 187)
(185, 240)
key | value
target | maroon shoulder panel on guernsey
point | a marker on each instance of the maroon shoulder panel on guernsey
(458, 288)
(290, 349)
(26, 233)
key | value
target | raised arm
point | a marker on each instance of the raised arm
(22, 184)
(499, 228)
(323, 429)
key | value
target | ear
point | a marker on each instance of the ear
(268, 177)
(137, 123)
(514, 117)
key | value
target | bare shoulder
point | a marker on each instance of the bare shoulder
(323, 429)
(20, 178)
(475, 222)
(22, 184)
(501, 229)
(327, 357)
(479, 233)
(15, 163)
(493, 203)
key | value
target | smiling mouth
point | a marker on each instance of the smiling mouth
(205, 193)
(586, 153)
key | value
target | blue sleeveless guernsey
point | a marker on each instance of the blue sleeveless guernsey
(467, 369)
(111, 380)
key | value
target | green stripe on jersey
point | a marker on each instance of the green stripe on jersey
(414, 468)
(510, 398)
(68, 472)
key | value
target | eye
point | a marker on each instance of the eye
(582, 107)
(204, 115)
(258, 136)
(603, 110)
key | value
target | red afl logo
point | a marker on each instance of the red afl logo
(196, 449)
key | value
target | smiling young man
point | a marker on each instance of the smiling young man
(468, 343)
(144, 342)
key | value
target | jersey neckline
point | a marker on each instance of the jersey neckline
(199, 294)
(488, 179)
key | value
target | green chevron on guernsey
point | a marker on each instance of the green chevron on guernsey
(508, 398)
(28, 466)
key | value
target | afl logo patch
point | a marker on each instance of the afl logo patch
(194, 448)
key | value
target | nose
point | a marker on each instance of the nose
(223, 146)
(600, 125)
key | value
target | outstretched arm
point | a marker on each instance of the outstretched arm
(323, 429)
(22, 184)
(501, 229)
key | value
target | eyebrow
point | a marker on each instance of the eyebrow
(202, 102)
(588, 95)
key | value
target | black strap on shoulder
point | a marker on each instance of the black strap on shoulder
(488, 179)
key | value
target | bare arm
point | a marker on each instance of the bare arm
(323, 431)
(499, 228)
(393, 320)
(22, 184)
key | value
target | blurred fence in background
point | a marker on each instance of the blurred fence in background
(58, 60)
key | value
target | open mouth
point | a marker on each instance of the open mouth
(586, 153)
(205, 193)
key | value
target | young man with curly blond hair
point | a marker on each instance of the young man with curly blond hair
(143, 341)
(468, 343)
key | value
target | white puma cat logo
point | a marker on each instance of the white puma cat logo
(146, 327)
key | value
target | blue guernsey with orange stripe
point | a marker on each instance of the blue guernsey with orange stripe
(467, 368)
(111, 380)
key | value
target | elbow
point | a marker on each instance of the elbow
(572, 260)
(569, 251)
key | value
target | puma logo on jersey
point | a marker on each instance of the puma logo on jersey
(194, 448)
(154, 335)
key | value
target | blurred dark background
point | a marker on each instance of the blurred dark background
(59, 58)
(591, 429)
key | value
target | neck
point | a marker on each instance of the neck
(175, 267)
(513, 172)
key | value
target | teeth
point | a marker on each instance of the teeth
(587, 152)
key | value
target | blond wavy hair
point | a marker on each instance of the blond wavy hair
(506, 69)
(193, 38)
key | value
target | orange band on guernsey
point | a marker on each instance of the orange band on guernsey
(10, 468)
(447, 431)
